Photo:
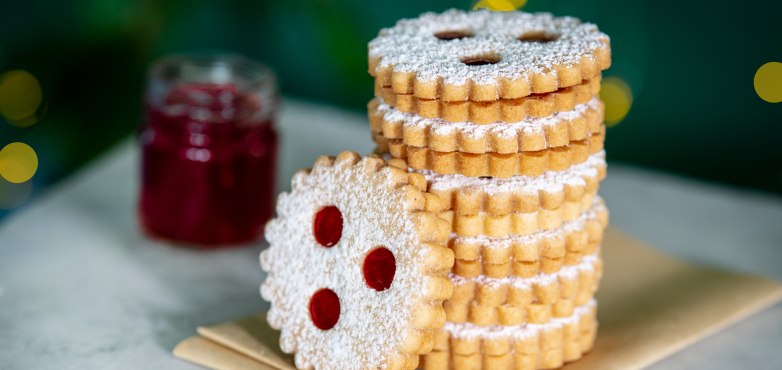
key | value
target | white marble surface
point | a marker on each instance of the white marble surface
(80, 288)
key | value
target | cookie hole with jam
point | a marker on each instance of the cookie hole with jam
(379, 269)
(325, 309)
(327, 226)
(452, 35)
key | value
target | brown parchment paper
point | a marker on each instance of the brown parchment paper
(649, 306)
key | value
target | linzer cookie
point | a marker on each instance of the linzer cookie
(529, 134)
(517, 206)
(497, 164)
(481, 113)
(470, 164)
(356, 266)
(498, 226)
(485, 56)
(465, 346)
(545, 251)
(571, 189)
(513, 301)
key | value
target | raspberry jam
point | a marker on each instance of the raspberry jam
(324, 309)
(379, 269)
(327, 226)
(208, 151)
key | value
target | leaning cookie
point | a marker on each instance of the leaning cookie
(356, 266)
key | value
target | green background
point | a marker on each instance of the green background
(689, 63)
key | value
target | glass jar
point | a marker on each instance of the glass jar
(209, 150)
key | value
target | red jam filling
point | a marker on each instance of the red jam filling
(379, 269)
(328, 226)
(324, 309)
(208, 166)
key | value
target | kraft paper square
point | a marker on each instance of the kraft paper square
(649, 306)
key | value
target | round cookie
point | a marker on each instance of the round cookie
(515, 206)
(529, 134)
(482, 113)
(515, 223)
(499, 165)
(356, 266)
(545, 251)
(570, 191)
(525, 347)
(484, 56)
(512, 301)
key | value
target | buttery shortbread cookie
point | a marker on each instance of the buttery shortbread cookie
(513, 300)
(484, 56)
(356, 266)
(529, 134)
(505, 110)
(497, 164)
(498, 226)
(466, 346)
(502, 207)
(545, 251)
(571, 190)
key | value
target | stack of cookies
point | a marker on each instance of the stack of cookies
(475, 243)
(499, 112)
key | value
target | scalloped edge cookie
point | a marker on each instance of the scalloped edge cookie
(500, 110)
(380, 206)
(529, 347)
(497, 164)
(518, 53)
(389, 126)
(513, 301)
(545, 251)
(551, 191)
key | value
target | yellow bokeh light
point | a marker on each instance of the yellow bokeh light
(500, 5)
(768, 82)
(18, 162)
(618, 98)
(20, 95)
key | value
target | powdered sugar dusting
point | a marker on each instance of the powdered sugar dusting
(469, 330)
(567, 272)
(410, 46)
(372, 324)
(527, 126)
(550, 181)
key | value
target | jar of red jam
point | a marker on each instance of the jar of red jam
(209, 150)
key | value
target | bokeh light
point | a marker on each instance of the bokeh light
(499, 5)
(618, 98)
(20, 97)
(13, 195)
(18, 162)
(768, 82)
